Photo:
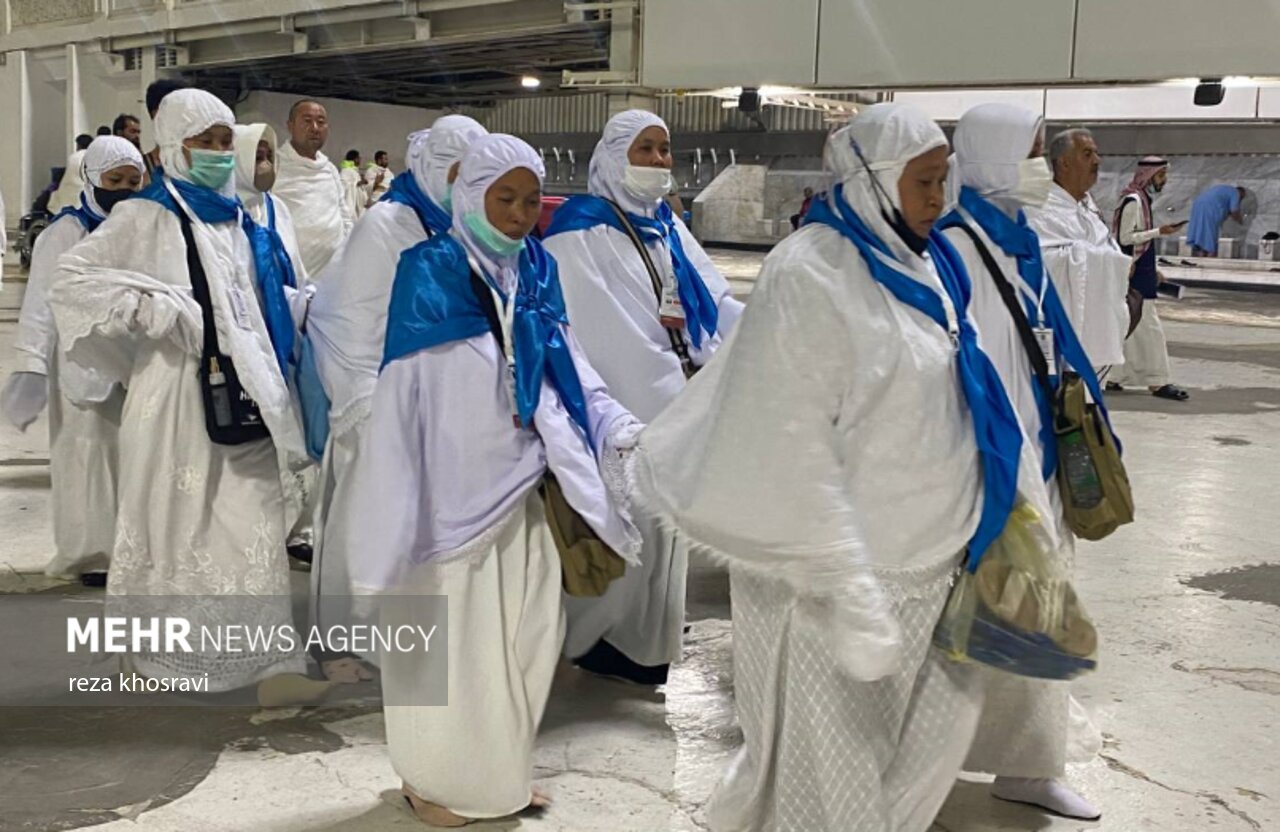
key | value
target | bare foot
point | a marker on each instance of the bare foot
(433, 814)
(291, 689)
(538, 799)
(346, 671)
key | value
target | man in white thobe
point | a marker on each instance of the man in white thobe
(1088, 268)
(641, 348)
(378, 176)
(310, 185)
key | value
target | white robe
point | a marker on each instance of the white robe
(84, 420)
(371, 176)
(446, 504)
(614, 310)
(1089, 271)
(828, 456)
(317, 200)
(71, 186)
(347, 326)
(195, 518)
(1029, 727)
(355, 191)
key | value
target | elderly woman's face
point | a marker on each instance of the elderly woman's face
(513, 203)
(922, 191)
(123, 178)
(651, 149)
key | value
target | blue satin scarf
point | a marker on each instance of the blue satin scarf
(1016, 239)
(404, 190)
(432, 303)
(270, 259)
(87, 217)
(583, 212)
(996, 428)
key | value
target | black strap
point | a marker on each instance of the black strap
(1010, 297)
(678, 344)
(199, 286)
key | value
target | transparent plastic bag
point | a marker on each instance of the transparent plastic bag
(1019, 611)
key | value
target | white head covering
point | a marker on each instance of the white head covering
(106, 153)
(432, 152)
(609, 161)
(990, 141)
(247, 138)
(184, 114)
(889, 135)
(487, 160)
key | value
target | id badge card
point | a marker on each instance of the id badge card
(510, 377)
(670, 312)
(1044, 338)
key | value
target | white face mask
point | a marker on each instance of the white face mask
(648, 184)
(1035, 180)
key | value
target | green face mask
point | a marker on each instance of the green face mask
(212, 168)
(491, 238)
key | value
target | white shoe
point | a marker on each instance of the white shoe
(1050, 795)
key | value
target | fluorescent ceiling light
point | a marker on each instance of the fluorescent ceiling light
(530, 82)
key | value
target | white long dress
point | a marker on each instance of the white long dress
(347, 326)
(1089, 270)
(611, 300)
(84, 420)
(1029, 727)
(447, 505)
(829, 458)
(195, 519)
(316, 196)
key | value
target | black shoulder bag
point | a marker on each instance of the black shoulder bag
(678, 344)
(231, 416)
(1096, 495)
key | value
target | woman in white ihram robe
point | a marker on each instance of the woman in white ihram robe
(195, 519)
(448, 505)
(347, 327)
(829, 458)
(84, 408)
(611, 300)
(1030, 728)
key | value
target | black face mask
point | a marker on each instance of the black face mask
(109, 199)
(913, 240)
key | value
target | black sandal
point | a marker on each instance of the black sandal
(1113, 387)
(1171, 392)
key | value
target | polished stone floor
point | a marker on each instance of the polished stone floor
(1188, 695)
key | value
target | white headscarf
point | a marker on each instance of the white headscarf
(609, 161)
(432, 152)
(487, 160)
(106, 153)
(247, 138)
(184, 114)
(889, 135)
(990, 141)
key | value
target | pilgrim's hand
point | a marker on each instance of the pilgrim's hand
(23, 397)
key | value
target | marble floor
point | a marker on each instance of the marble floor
(1187, 600)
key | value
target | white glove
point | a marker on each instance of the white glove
(23, 397)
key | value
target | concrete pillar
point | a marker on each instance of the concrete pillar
(77, 113)
(639, 99)
(148, 76)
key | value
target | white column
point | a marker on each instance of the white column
(26, 130)
(149, 75)
(632, 100)
(77, 113)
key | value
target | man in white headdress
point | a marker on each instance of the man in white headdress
(313, 189)
(1088, 268)
(348, 322)
(1030, 727)
(646, 333)
(842, 455)
(472, 411)
(84, 408)
(197, 517)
